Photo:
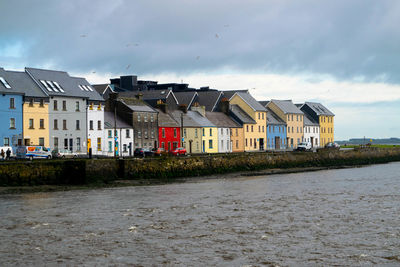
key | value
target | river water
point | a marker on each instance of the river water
(324, 218)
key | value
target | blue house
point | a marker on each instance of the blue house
(276, 132)
(11, 100)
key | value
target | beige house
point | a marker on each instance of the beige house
(294, 118)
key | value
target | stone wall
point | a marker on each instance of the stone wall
(85, 171)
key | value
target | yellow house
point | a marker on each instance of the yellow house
(294, 118)
(325, 118)
(199, 134)
(36, 121)
(253, 117)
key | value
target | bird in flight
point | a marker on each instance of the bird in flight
(127, 67)
(216, 35)
(83, 35)
(198, 57)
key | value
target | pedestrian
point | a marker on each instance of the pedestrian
(2, 154)
(8, 153)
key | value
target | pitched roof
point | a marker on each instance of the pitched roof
(287, 106)
(272, 118)
(136, 104)
(220, 119)
(166, 120)
(186, 98)
(71, 86)
(229, 93)
(20, 83)
(319, 109)
(209, 99)
(191, 119)
(109, 121)
(251, 101)
(263, 103)
(100, 88)
(240, 115)
(309, 121)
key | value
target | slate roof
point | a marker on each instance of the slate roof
(222, 120)
(287, 106)
(68, 84)
(136, 104)
(100, 88)
(272, 118)
(191, 119)
(263, 103)
(229, 93)
(186, 98)
(251, 101)
(240, 115)
(319, 109)
(209, 99)
(109, 121)
(309, 121)
(166, 120)
(20, 83)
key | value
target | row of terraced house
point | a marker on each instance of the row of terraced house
(53, 109)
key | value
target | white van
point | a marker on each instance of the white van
(33, 152)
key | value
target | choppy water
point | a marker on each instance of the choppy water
(334, 217)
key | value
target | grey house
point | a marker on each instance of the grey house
(67, 108)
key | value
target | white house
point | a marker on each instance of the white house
(311, 131)
(117, 136)
(224, 125)
(95, 119)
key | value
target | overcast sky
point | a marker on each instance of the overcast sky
(345, 54)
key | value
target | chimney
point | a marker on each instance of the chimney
(139, 96)
(200, 109)
(129, 82)
(162, 106)
(224, 105)
(183, 107)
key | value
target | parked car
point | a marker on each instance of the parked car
(332, 145)
(178, 151)
(63, 153)
(159, 151)
(304, 146)
(33, 152)
(143, 152)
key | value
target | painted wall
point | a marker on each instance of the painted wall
(326, 129)
(9, 134)
(95, 113)
(171, 136)
(192, 141)
(257, 135)
(295, 128)
(36, 112)
(311, 134)
(224, 140)
(237, 139)
(125, 139)
(209, 138)
(276, 133)
(71, 138)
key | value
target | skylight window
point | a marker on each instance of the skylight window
(80, 86)
(46, 85)
(5, 83)
(59, 87)
(52, 86)
(88, 87)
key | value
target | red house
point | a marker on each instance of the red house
(169, 132)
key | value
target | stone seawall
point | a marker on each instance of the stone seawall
(85, 171)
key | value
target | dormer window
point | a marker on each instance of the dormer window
(5, 83)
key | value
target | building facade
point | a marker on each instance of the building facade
(118, 137)
(276, 132)
(293, 117)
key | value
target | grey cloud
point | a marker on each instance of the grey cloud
(345, 39)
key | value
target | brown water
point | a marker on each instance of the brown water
(334, 217)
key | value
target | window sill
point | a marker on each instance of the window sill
(13, 128)
(77, 110)
(55, 129)
(64, 110)
(31, 128)
(91, 129)
(64, 129)
(41, 128)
